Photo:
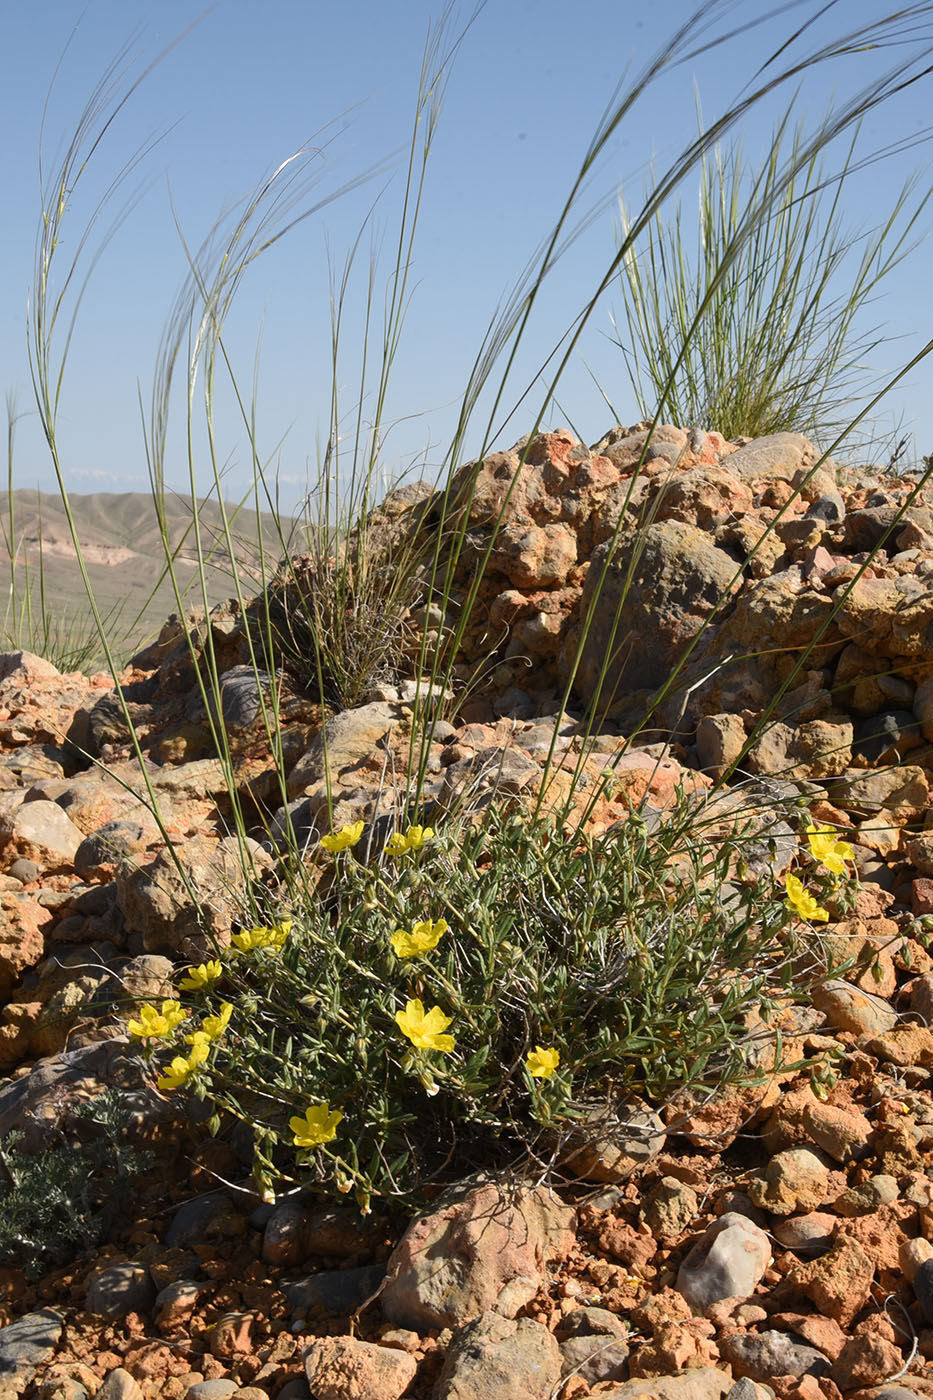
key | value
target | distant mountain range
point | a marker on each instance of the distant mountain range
(121, 542)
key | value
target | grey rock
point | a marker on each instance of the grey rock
(25, 870)
(678, 577)
(335, 1230)
(47, 833)
(338, 1291)
(106, 724)
(285, 1233)
(610, 1150)
(219, 1389)
(183, 1290)
(121, 1289)
(776, 454)
(744, 1389)
(593, 1322)
(98, 854)
(119, 1385)
(242, 691)
(831, 509)
(26, 1343)
(762, 1355)
(297, 1389)
(887, 737)
(923, 1289)
(727, 1262)
(704, 1383)
(210, 1217)
(42, 1102)
(496, 1358)
(594, 1358)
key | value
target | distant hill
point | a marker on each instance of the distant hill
(122, 547)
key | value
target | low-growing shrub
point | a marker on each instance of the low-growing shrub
(67, 1195)
(469, 998)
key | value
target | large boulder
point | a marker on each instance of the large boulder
(662, 584)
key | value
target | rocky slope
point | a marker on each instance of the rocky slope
(777, 1242)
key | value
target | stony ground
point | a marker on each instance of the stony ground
(776, 1241)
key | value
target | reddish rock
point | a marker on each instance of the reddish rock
(479, 1249)
(843, 1133)
(678, 1346)
(881, 1234)
(795, 1180)
(232, 1334)
(904, 1045)
(839, 1283)
(866, 1360)
(22, 936)
(343, 1368)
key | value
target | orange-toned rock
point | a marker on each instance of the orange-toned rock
(866, 1360)
(23, 922)
(232, 1334)
(904, 1045)
(839, 1283)
(343, 1368)
(478, 1249)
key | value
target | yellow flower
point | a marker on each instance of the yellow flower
(212, 1027)
(424, 936)
(413, 840)
(346, 836)
(262, 937)
(155, 1025)
(826, 847)
(424, 1029)
(181, 1069)
(201, 976)
(801, 901)
(542, 1063)
(318, 1125)
(278, 935)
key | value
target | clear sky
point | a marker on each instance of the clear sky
(252, 82)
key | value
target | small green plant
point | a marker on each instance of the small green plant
(468, 998)
(66, 1196)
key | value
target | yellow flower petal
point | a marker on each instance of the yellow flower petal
(424, 1029)
(542, 1063)
(801, 901)
(424, 936)
(214, 1026)
(318, 1125)
(201, 976)
(346, 836)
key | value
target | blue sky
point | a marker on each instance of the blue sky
(249, 84)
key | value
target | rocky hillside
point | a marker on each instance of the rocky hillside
(122, 547)
(772, 1241)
